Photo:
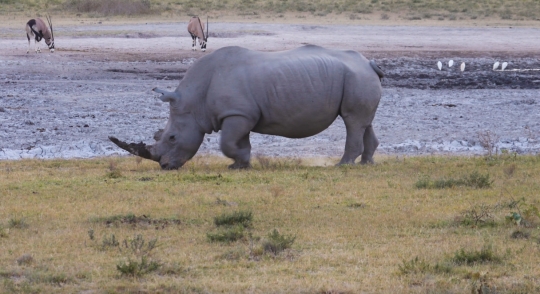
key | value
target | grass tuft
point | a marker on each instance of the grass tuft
(242, 218)
(17, 223)
(227, 235)
(473, 180)
(485, 255)
(137, 268)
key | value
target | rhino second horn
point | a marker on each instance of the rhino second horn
(166, 96)
(157, 135)
(139, 149)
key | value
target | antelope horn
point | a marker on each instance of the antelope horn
(202, 30)
(139, 149)
(49, 20)
(207, 26)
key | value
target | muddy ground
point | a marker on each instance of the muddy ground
(98, 83)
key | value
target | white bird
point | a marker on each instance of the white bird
(504, 65)
(462, 67)
(495, 65)
(439, 65)
(450, 63)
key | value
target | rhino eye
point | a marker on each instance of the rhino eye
(171, 138)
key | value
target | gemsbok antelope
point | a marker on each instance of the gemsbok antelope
(37, 29)
(196, 30)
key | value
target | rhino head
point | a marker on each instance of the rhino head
(177, 143)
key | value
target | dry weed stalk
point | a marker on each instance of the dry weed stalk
(488, 141)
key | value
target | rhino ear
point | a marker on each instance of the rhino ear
(167, 96)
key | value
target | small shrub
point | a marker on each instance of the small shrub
(243, 218)
(488, 141)
(509, 170)
(519, 234)
(356, 205)
(17, 223)
(233, 254)
(134, 268)
(423, 183)
(414, 266)
(276, 243)
(25, 259)
(477, 180)
(3, 232)
(109, 242)
(114, 174)
(523, 213)
(226, 235)
(486, 254)
(57, 279)
(139, 247)
(481, 214)
(91, 234)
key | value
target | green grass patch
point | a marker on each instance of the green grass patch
(242, 218)
(471, 257)
(474, 180)
(226, 235)
(352, 227)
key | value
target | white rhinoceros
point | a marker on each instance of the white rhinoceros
(295, 94)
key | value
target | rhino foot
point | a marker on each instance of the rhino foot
(367, 161)
(240, 166)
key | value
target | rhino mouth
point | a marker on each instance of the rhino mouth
(167, 166)
(139, 149)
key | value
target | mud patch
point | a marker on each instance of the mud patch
(416, 73)
(236, 34)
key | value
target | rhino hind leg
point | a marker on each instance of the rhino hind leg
(354, 144)
(235, 141)
(370, 145)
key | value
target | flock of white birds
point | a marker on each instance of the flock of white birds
(462, 66)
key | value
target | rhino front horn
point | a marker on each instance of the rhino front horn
(139, 149)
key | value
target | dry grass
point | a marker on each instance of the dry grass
(389, 10)
(355, 228)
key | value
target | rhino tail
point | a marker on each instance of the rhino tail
(376, 69)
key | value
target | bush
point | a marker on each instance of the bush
(276, 243)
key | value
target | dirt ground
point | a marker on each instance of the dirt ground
(98, 83)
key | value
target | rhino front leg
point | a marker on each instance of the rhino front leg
(235, 141)
(370, 145)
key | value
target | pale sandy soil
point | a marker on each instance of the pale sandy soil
(98, 84)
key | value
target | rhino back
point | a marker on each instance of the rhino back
(294, 93)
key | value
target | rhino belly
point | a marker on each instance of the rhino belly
(296, 126)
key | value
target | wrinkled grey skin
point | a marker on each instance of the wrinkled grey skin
(295, 94)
